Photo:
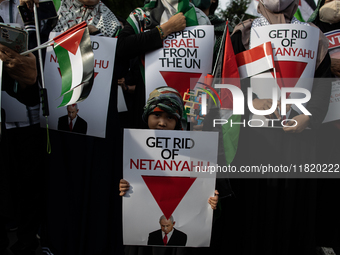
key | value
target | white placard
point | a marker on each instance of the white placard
(94, 108)
(160, 167)
(295, 51)
(185, 57)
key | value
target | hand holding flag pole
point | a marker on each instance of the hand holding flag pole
(73, 50)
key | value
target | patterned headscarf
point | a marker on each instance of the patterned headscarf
(157, 12)
(72, 12)
(165, 99)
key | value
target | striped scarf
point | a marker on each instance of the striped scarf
(73, 12)
(157, 12)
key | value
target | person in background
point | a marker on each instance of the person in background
(155, 20)
(290, 202)
(327, 18)
(209, 7)
(81, 204)
(10, 13)
(21, 143)
(20, 156)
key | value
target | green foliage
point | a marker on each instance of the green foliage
(123, 8)
(235, 10)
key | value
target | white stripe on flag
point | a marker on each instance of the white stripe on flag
(305, 10)
(77, 68)
(76, 94)
(255, 67)
(132, 17)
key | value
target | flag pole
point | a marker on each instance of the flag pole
(43, 91)
(220, 49)
(42, 46)
(37, 27)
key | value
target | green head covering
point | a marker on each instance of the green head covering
(168, 100)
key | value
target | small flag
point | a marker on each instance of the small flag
(255, 60)
(305, 10)
(226, 72)
(229, 71)
(76, 61)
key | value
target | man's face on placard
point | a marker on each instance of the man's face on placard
(166, 225)
(72, 112)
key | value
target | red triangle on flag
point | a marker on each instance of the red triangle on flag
(71, 42)
(168, 191)
(288, 73)
(180, 81)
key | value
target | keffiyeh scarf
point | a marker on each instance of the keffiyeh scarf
(72, 12)
(157, 12)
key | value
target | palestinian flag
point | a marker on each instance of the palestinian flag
(226, 72)
(306, 8)
(76, 62)
(229, 71)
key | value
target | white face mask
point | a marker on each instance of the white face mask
(276, 5)
(330, 12)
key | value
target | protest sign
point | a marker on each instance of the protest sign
(334, 52)
(166, 172)
(94, 109)
(295, 51)
(186, 56)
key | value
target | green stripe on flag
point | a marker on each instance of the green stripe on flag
(298, 15)
(131, 22)
(230, 138)
(191, 17)
(189, 12)
(57, 4)
(151, 4)
(67, 97)
(65, 68)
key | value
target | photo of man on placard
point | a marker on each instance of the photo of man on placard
(72, 122)
(167, 235)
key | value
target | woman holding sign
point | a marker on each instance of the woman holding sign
(290, 202)
(164, 111)
(147, 27)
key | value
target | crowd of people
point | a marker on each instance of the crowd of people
(72, 197)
